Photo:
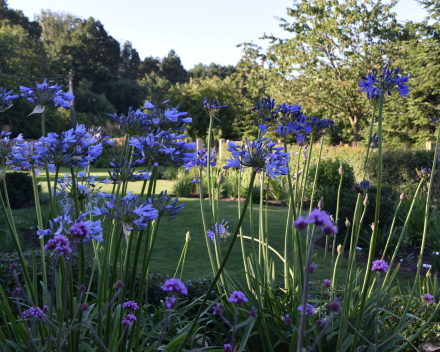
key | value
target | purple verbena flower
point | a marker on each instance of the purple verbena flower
(253, 312)
(170, 302)
(309, 309)
(287, 319)
(311, 268)
(59, 243)
(428, 298)
(174, 287)
(34, 312)
(327, 283)
(238, 297)
(227, 348)
(380, 266)
(80, 231)
(320, 322)
(335, 306)
(128, 320)
(130, 305)
(300, 223)
(217, 310)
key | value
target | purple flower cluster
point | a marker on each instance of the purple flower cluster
(428, 298)
(423, 172)
(128, 320)
(124, 172)
(319, 218)
(318, 126)
(130, 305)
(200, 159)
(130, 211)
(6, 99)
(227, 348)
(380, 265)
(161, 117)
(385, 82)
(217, 310)
(327, 283)
(44, 94)
(309, 309)
(362, 187)
(238, 297)
(221, 230)
(175, 287)
(79, 229)
(259, 155)
(265, 108)
(287, 319)
(24, 155)
(170, 302)
(162, 148)
(213, 108)
(161, 204)
(59, 243)
(135, 123)
(35, 312)
(6, 144)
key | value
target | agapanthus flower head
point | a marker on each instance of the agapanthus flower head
(265, 108)
(128, 320)
(161, 116)
(6, 98)
(175, 287)
(319, 126)
(428, 298)
(59, 243)
(385, 82)
(26, 155)
(217, 310)
(220, 230)
(125, 172)
(130, 212)
(291, 120)
(130, 305)
(423, 172)
(287, 319)
(200, 159)
(259, 155)
(44, 94)
(162, 204)
(213, 108)
(380, 266)
(238, 297)
(135, 123)
(362, 187)
(374, 140)
(75, 147)
(327, 283)
(34, 312)
(435, 121)
(163, 148)
(309, 309)
(6, 144)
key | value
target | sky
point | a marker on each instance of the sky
(198, 30)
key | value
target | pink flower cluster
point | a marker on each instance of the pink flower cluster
(318, 218)
(59, 243)
(380, 265)
(238, 297)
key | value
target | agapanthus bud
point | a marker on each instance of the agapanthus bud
(366, 201)
(188, 237)
(403, 196)
(2, 174)
(305, 155)
(13, 267)
(339, 249)
(347, 222)
(220, 179)
(341, 170)
(321, 204)
(101, 250)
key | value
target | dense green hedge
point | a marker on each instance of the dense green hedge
(20, 189)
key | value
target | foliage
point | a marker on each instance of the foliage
(19, 187)
(182, 187)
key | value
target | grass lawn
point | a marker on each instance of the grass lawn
(171, 236)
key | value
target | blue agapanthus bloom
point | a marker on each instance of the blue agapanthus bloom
(387, 81)
(259, 155)
(125, 172)
(200, 159)
(62, 224)
(6, 144)
(163, 148)
(44, 95)
(423, 172)
(24, 155)
(435, 121)
(292, 120)
(75, 147)
(161, 204)
(130, 212)
(374, 140)
(213, 108)
(220, 230)
(318, 125)
(135, 123)
(161, 116)
(6, 99)
(362, 187)
(266, 108)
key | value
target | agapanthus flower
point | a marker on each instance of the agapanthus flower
(125, 172)
(200, 159)
(34, 312)
(130, 305)
(24, 155)
(86, 191)
(160, 116)
(128, 320)
(292, 120)
(213, 108)
(423, 172)
(238, 297)
(374, 140)
(435, 121)
(161, 204)
(163, 148)
(221, 230)
(309, 309)
(135, 123)
(45, 94)
(6, 144)
(265, 108)
(6, 99)
(195, 180)
(318, 126)
(428, 298)
(174, 287)
(130, 212)
(75, 147)
(259, 155)
(362, 187)
(64, 225)
(59, 243)
(380, 265)
(386, 82)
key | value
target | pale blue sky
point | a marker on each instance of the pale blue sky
(198, 30)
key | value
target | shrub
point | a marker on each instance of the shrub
(279, 190)
(20, 189)
(182, 187)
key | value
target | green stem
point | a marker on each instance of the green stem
(43, 122)
(243, 251)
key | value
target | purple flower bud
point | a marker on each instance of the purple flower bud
(335, 306)
(309, 309)
(321, 204)
(217, 310)
(320, 322)
(327, 283)
(16, 292)
(300, 223)
(128, 320)
(13, 267)
(428, 298)
(130, 305)
(287, 320)
(84, 307)
(311, 268)
(45, 309)
(119, 284)
(82, 288)
(403, 196)
(253, 312)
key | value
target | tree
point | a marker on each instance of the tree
(331, 45)
(17, 17)
(171, 68)
(154, 87)
(201, 71)
(130, 62)
(150, 64)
